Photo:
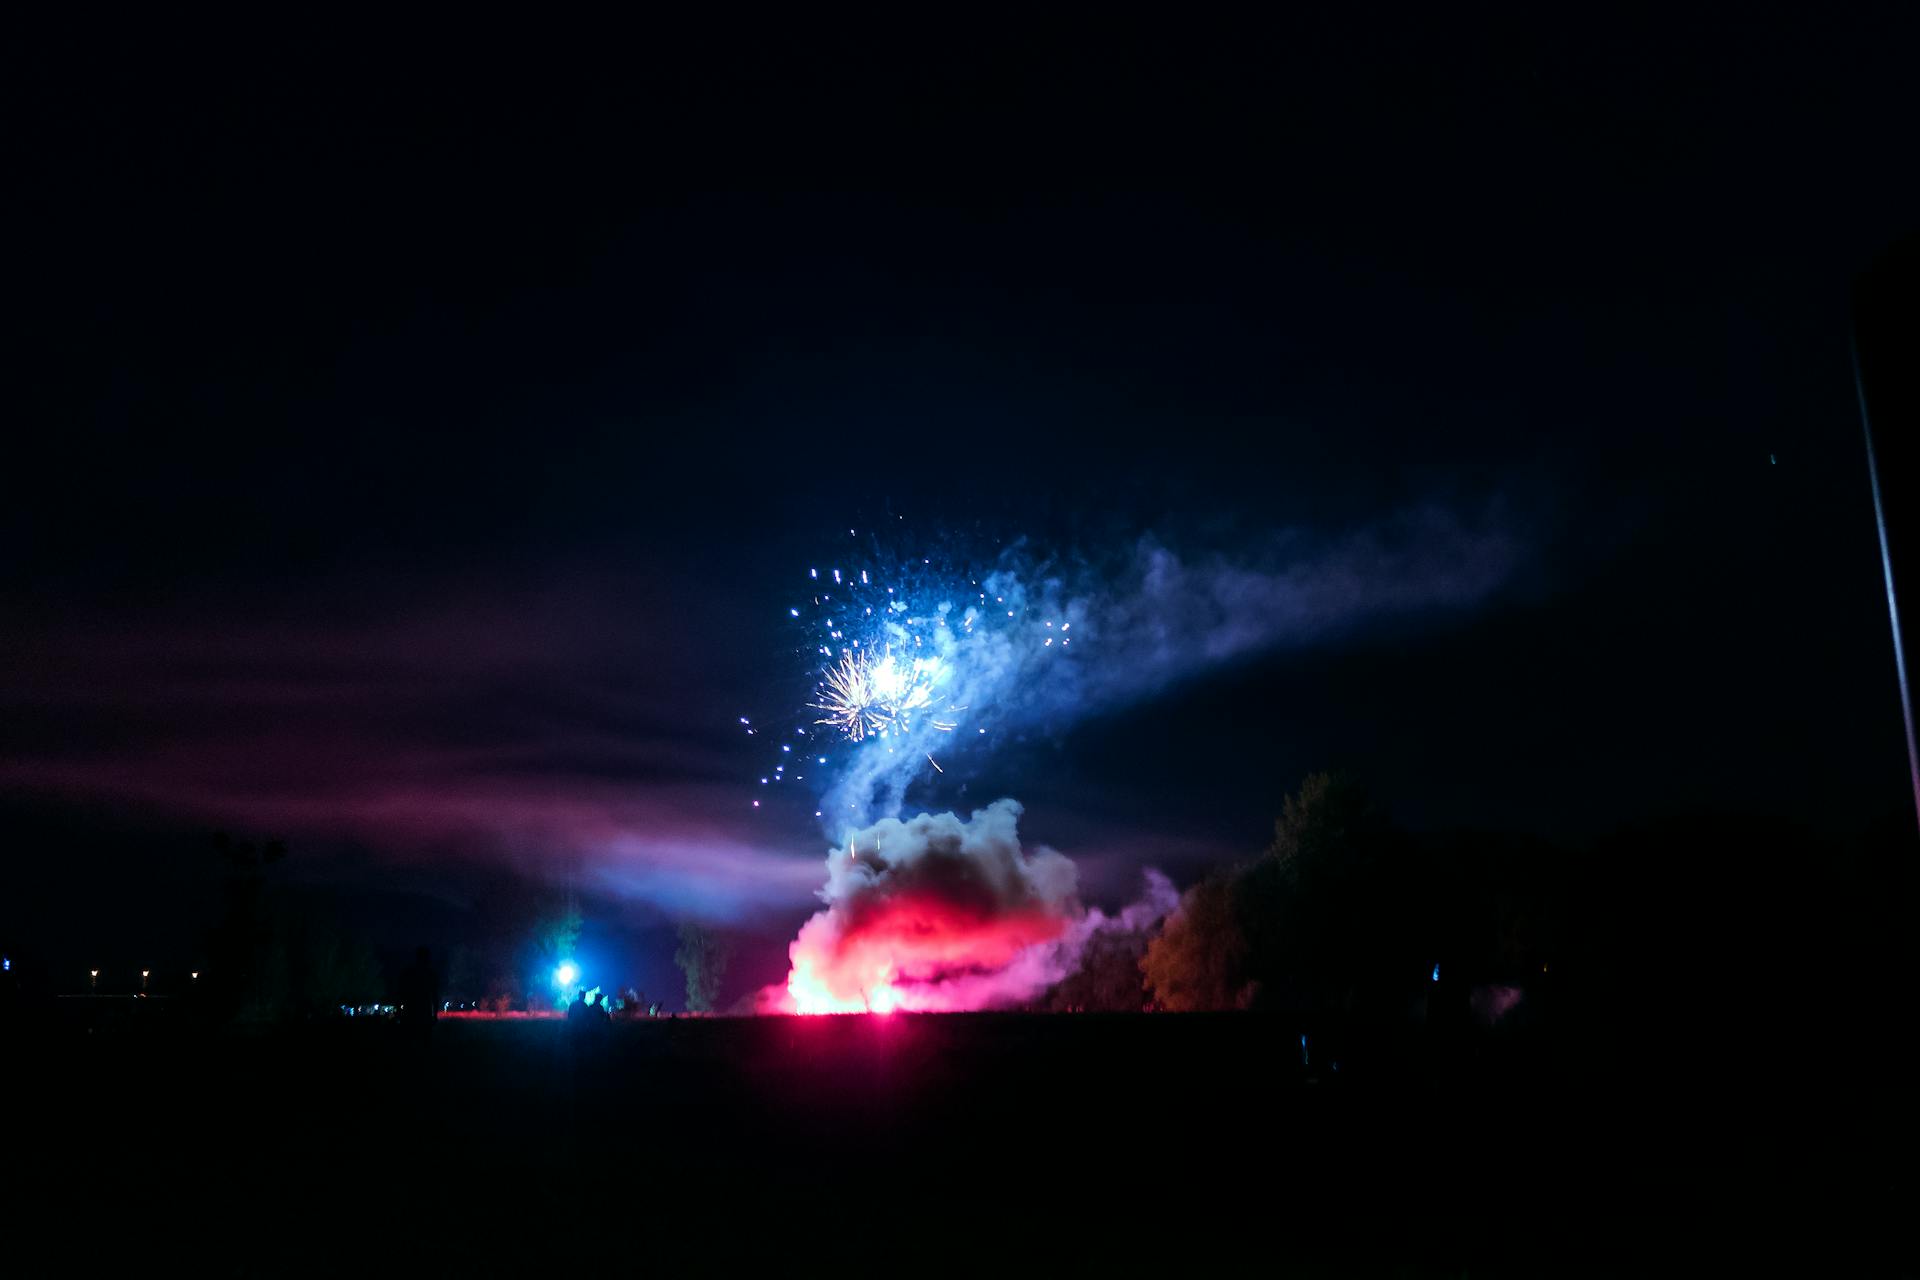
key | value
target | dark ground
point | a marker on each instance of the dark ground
(1188, 1145)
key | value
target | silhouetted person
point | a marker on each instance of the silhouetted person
(420, 995)
(580, 1019)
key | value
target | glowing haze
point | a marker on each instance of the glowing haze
(942, 913)
(554, 729)
(936, 912)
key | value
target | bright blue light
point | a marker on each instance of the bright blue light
(564, 976)
(1436, 971)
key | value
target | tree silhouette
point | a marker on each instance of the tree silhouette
(702, 956)
(1199, 959)
(555, 938)
(1318, 908)
(1108, 979)
(1298, 925)
(275, 955)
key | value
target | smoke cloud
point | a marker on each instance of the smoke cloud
(943, 913)
(1055, 641)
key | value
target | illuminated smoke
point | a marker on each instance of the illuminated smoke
(940, 913)
(919, 660)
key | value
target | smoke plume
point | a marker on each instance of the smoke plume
(1081, 637)
(938, 912)
(942, 913)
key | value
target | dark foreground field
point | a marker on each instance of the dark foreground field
(1192, 1145)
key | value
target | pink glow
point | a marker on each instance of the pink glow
(942, 914)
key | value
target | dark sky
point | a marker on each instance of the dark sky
(413, 436)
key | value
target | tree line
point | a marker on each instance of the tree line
(1680, 925)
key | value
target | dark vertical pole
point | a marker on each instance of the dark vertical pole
(1886, 372)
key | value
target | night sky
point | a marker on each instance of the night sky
(415, 444)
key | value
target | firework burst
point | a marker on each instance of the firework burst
(873, 694)
(901, 651)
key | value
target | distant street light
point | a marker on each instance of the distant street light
(93, 979)
(143, 979)
(195, 975)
